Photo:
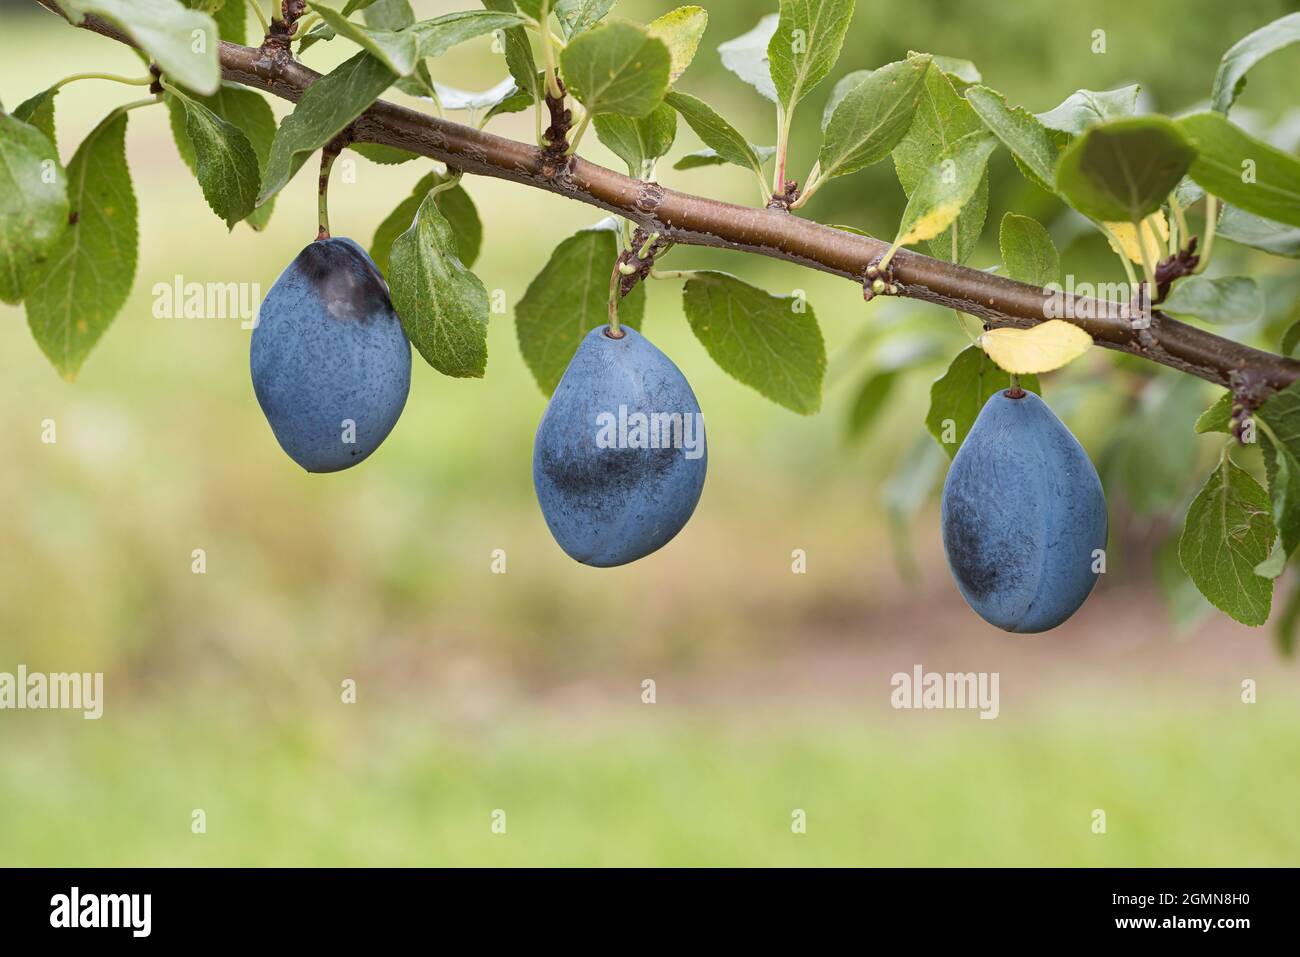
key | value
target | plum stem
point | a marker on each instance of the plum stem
(261, 17)
(128, 80)
(688, 219)
(1211, 221)
(328, 154)
(615, 282)
(553, 87)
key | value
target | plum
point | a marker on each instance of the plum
(1023, 514)
(619, 459)
(331, 364)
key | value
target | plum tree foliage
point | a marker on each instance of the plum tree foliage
(1142, 180)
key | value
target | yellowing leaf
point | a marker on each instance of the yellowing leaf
(946, 185)
(681, 30)
(932, 223)
(1040, 348)
(1127, 236)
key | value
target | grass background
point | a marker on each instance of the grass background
(522, 691)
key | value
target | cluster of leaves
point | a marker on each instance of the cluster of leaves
(1133, 176)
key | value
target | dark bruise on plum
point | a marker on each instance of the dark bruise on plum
(330, 362)
(345, 277)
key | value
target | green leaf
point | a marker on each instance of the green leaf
(942, 117)
(328, 105)
(569, 298)
(716, 133)
(579, 16)
(419, 84)
(518, 52)
(617, 67)
(962, 71)
(39, 112)
(1281, 413)
(459, 210)
(1245, 53)
(806, 44)
(946, 187)
(33, 204)
(232, 22)
(1291, 338)
(1122, 170)
(1245, 171)
(383, 155)
(224, 160)
(440, 34)
(1247, 229)
(770, 343)
(456, 207)
(1188, 193)
(1085, 108)
(443, 306)
(1218, 417)
(1284, 493)
(396, 49)
(1228, 531)
(181, 41)
(246, 111)
(870, 400)
(907, 490)
(1152, 454)
(711, 157)
(958, 395)
(1227, 301)
(839, 91)
(681, 30)
(638, 142)
(1020, 132)
(313, 36)
(1028, 253)
(385, 14)
(1286, 623)
(529, 8)
(516, 102)
(87, 276)
(872, 117)
(1185, 605)
(746, 56)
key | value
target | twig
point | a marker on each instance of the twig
(700, 221)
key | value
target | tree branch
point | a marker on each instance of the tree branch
(695, 220)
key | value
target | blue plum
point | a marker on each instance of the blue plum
(620, 457)
(331, 364)
(1023, 513)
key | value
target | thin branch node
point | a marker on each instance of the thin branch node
(785, 199)
(277, 39)
(649, 197)
(701, 221)
(632, 266)
(1181, 263)
(880, 282)
(556, 135)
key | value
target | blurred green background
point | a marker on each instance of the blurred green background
(523, 691)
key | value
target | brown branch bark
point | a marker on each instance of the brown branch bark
(696, 220)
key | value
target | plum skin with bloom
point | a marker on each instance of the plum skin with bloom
(608, 506)
(1023, 516)
(330, 362)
